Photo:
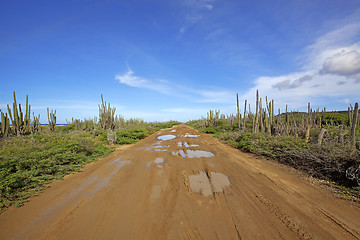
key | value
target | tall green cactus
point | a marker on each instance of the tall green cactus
(5, 125)
(354, 124)
(21, 125)
(52, 119)
(238, 110)
(106, 115)
(350, 115)
(35, 125)
(244, 118)
(256, 123)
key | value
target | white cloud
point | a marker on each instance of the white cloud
(328, 68)
(344, 64)
(131, 80)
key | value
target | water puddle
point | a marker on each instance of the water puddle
(160, 150)
(193, 154)
(166, 137)
(219, 181)
(182, 153)
(116, 160)
(173, 130)
(190, 135)
(156, 192)
(201, 183)
(198, 154)
(187, 145)
(159, 160)
(99, 185)
(148, 165)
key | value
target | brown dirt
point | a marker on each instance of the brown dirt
(129, 195)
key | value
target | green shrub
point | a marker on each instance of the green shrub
(29, 162)
(129, 136)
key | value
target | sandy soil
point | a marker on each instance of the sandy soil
(188, 187)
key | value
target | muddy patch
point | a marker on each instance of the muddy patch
(207, 185)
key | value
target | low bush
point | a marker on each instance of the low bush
(29, 162)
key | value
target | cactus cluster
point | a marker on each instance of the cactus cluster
(4, 125)
(354, 124)
(264, 117)
(106, 115)
(295, 124)
(52, 119)
(20, 123)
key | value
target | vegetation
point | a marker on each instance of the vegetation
(323, 144)
(29, 162)
(32, 155)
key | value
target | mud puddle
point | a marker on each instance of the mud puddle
(208, 185)
(193, 154)
(166, 137)
(190, 135)
(158, 162)
(187, 145)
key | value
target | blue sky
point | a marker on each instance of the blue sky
(174, 60)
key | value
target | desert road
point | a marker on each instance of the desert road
(182, 184)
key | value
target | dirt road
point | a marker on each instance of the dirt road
(182, 184)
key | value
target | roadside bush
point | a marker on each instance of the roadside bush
(29, 162)
(129, 136)
(328, 161)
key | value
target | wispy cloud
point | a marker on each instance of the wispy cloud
(170, 88)
(194, 12)
(130, 79)
(185, 110)
(288, 84)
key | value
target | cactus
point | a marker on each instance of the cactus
(52, 119)
(354, 124)
(106, 115)
(350, 113)
(307, 135)
(244, 118)
(321, 136)
(238, 110)
(5, 125)
(111, 137)
(340, 134)
(21, 125)
(35, 125)
(256, 123)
